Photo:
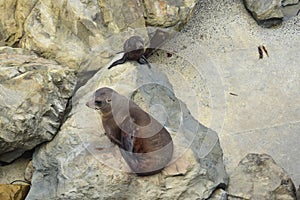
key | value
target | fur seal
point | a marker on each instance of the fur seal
(145, 144)
(133, 50)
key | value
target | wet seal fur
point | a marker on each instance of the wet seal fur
(145, 144)
(133, 50)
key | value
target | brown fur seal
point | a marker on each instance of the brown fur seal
(145, 144)
(133, 50)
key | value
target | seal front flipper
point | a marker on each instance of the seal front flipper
(143, 60)
(118, 62)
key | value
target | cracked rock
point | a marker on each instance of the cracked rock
(33, 96)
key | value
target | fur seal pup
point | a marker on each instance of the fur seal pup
(133, 50)
(145, 144)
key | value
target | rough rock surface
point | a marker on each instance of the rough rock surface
(13, 192)
(219, 194)
(73, 32)
(33, 96)
(272, 12)
(165, 13)
(28, 172)
(14, 171)
(298, 193)
(81, 163)
(266, 12)
(77, 28)
(259, 177)
(13, 17)
(289, 2)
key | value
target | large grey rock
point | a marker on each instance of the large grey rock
(33, 96)
(78, 28)
(259, 177)
(81, 162)
(73, 32)
(266, 12)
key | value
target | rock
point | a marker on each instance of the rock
(14, 171)
(81, 162)
(290, 9)
(259, 177)
(13, 192)
(219, 194)
(34, 93)
(79, 30)
(272, 12)
(29, 172)
(266, 13)
(13, 17)
(298, 193)
(289, 2)
(168, 13)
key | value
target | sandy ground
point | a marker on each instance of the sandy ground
(255, 103)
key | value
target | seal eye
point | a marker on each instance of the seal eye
(108, 100)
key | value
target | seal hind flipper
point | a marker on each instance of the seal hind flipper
(118, 62)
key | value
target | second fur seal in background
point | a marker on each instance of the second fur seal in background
(134, 47)
(145, 144)
(133, 50)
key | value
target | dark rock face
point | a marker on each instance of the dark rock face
(259, 177)
(34, 94)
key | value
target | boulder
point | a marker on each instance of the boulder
(13, 17)
(266, 13)
(34, 93)
(14, 171)
(165, 13)
(81, 162)
(13, 192)
(75, 32)
(259, 177)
